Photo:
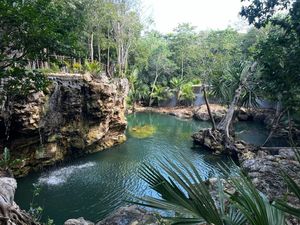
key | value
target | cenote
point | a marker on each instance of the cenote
(97, 184)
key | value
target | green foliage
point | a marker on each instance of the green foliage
(278, 50)
(35, 210)
(161, 93)
(196, 81)
(77, 68)
(278, 54)
(183, 191)
(22, 81)
(223, 86)
(54, 67)
(294, 188)
(176, 83)
(187, 92)
(183, 44)
(6, 162)
(93, 67)
(253, 204)
(138, 90)
(259, 12)
(28, 27)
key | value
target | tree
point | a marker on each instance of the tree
(35, 29)
(278, 50)
(159, 66)
(176, 86)
(187, 92)
(260, 12)
(183, 46)
(159, 93)
(223, 126)
(126, 28)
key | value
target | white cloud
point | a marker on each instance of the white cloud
(205, 14)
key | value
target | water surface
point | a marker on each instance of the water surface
(97, 184)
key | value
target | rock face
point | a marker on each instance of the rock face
(76, 116)
(10, 213)
(265, 169)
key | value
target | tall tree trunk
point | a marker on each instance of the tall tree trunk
(92, 47)
(108, 56)
(208, 109)
(274, 125)
(226, 121)
(99, 52)
(181, 66)
(153, 85)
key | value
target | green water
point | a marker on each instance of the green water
(97, 184)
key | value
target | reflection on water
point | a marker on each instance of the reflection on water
(97, 184)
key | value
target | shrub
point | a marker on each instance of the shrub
(93, 67)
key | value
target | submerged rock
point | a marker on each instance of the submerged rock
(79, 221)
(131, 215)
(127, 215)
(76, 116)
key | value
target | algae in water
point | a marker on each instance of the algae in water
(143, 131)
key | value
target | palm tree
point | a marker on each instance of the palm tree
(183, 192)
(176, 85)
(187, 92)
(160, 93)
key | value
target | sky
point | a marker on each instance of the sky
(204, 14)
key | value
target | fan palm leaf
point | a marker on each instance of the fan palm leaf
(183, 191)
(253, 204)
(294, 188)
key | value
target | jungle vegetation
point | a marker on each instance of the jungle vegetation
(112, 36)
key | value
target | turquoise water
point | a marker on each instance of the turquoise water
(97, 184)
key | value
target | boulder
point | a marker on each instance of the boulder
(79, 221)
(131, 215)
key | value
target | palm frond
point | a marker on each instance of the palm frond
(294, 188)
(183, 192)
(253, 204)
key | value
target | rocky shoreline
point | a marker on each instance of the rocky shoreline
(264, 165)
(200, 113)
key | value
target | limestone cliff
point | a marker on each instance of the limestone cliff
(78, 115)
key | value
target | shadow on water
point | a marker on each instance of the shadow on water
(97, 184)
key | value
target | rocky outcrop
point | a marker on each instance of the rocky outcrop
(265, 169)
(75, 117)
(128, 215)
(218, 112)
(10, 213)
